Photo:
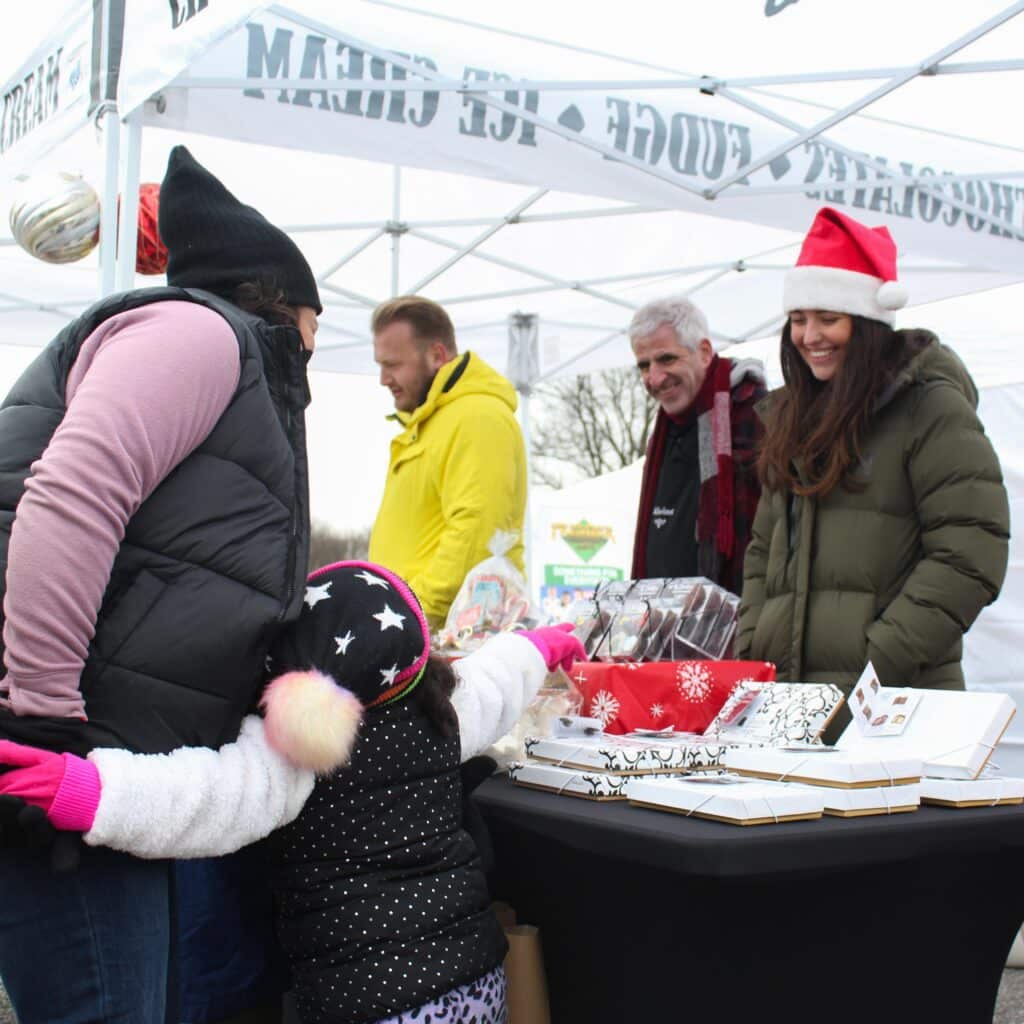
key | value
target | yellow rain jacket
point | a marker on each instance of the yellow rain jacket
(457, 473)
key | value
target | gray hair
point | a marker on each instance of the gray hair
(686, 319)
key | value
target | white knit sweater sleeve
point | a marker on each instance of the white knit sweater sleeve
(496, 683)
(194, 801)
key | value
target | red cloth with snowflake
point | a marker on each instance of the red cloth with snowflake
(657, 694)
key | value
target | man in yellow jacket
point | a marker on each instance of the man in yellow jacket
(457, 471)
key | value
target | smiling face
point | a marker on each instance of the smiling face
(407, 366)
(671, 373)
(821, 338)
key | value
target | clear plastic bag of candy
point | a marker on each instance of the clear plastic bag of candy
(493, 599)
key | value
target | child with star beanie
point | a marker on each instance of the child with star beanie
(381, 906)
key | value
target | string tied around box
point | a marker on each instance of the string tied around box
(795, 768)
(886, 798)
(572, 753)
(568, 782)
(990, 747)
(711, 796)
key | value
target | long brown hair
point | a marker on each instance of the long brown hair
(821, 424)
(433, 693)
(265, 299)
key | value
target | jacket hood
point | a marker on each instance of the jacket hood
(934, 363)
(466, 374)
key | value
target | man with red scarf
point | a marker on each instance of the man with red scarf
(700, 487)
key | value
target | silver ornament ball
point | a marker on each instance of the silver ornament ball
(56, 217)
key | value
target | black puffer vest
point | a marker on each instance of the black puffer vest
(211, 563)
(381, 901)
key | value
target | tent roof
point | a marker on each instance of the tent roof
(517, 218)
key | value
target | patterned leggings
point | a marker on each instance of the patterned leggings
(480, 1002)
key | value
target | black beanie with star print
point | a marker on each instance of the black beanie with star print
(361, 641)
(217, 243)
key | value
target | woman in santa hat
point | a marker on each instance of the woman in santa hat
(883, 525)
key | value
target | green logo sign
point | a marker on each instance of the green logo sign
(585, 539)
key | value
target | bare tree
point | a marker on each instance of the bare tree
(327, 545)
(596, 422)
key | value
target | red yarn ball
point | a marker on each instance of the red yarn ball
(150, 251)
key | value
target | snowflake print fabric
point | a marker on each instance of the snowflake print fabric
(605, 707)
(685, 695)
(694, 680)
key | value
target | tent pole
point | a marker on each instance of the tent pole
(894, 83)
(110, 125)
(464, 250)
(396, 219)
(513, 265)
(523, 371)
(524, 423)
(128, 225)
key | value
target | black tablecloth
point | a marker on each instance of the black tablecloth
(650, 916)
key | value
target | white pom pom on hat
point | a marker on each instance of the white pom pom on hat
(845, 267)
(311, 720)
(892, 295)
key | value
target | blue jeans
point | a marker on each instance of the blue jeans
(90, 945)
(228, 960)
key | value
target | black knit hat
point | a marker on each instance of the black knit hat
(216, 243)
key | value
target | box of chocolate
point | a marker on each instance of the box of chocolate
(987, 791)
(823, 766)
(775, 714)
(628, 755)
(578, 782)
(954, 733)
(729, 798)
(859, 803)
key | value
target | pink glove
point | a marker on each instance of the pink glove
(65, 786)
(557, 645)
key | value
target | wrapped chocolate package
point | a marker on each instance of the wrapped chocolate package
(628, 634)
(493, 599)
(589, 624)
(683, 619)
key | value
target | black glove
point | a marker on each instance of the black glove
(24, 826)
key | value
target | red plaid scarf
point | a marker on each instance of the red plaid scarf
(728, 430)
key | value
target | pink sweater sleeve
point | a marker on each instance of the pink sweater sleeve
(147, 388)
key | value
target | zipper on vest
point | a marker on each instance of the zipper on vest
(293, 545)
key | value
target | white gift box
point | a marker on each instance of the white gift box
(858, 803)
(627, 755)
(729, 798)
(952, 731)
(823, 766)
(775, 714)
(983, 792)
(577, 782)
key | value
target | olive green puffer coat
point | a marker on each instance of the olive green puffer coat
(895, 573)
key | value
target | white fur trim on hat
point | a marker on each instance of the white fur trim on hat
(311, 720)
(839, 291)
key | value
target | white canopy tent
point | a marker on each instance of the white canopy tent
(496, 170)
(596, 183)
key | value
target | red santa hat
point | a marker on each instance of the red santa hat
(845, 267)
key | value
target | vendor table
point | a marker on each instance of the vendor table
(648, 916)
